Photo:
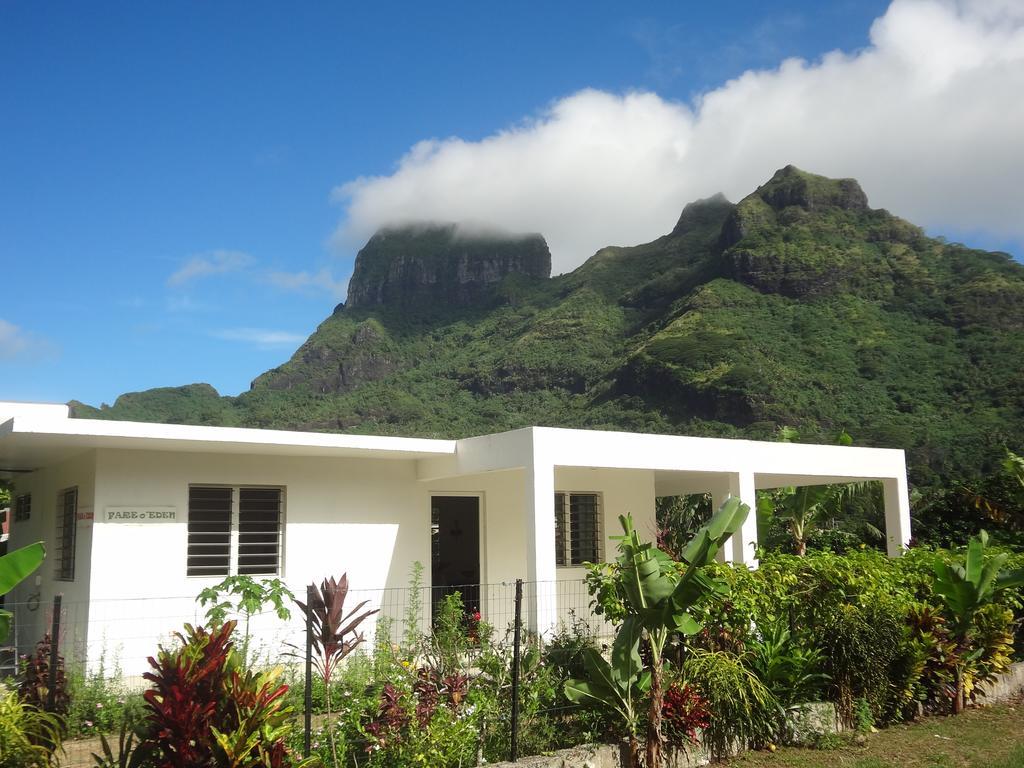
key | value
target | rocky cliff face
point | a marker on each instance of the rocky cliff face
(420, 266)
(803, 235)
(337, 360)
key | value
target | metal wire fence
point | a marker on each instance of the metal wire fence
(117, 637)
(109, 642)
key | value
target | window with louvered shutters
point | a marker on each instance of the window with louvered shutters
(577, 528)
(67, 525)
(209, 531)
(259, 530)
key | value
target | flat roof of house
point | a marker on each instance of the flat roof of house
(31, 441)
(38, 435)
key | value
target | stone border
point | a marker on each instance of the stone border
(606, 756)
(1009, 685)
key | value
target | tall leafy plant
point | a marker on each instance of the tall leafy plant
(35, 679)
(187, 696)
(658, 596)
(965, 589)
(335, 632)
(247, 596)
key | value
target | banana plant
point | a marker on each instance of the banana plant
(965, 589)
(659, 595)
(15, 567)
(619, 685)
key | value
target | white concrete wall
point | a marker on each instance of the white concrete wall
(11, 410)
(32, 600)
(622, 491)
(503, 552)
(503, 528)
(368, 518)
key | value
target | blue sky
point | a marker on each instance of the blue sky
(173, 204)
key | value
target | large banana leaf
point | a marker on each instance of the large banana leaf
(656, 594)
(14, 567)
(616, 684)
(964, 589)
(712, 535)
(18, 564)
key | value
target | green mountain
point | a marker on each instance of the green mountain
(800, 305)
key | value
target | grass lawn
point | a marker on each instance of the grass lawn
(992, 737)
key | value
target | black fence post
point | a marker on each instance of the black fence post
(514, 748)
(51, 685)
(308, 704)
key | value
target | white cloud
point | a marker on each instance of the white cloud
(261, 337)
(17, 343)
(13, 341)
(185, 304)
(929, 117)
(210, 263)
(309, 282)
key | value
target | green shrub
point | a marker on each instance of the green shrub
(791, 667)
(99, 703)
(29, 737)
(564, 651)
(742, 711)
(993, 642)
(869, 655)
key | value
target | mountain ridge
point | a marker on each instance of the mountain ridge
(798, 305)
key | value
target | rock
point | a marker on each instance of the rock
(437, 265)
(700, 211)
(791, 186)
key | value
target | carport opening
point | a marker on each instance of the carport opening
(678, 518)
(838, 517)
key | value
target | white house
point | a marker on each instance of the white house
(139, 517)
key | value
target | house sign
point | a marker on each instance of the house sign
(140, 515)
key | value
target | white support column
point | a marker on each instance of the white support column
(744, 541)
(897, 515)
(720, 492)
(540, 545)
(740, 548)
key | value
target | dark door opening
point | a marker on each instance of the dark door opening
(455, 550)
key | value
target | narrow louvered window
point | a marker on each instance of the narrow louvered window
(23, 507)
(209, 531)
(577, 528)
(67, 525)
(560, 525)
(259, 530)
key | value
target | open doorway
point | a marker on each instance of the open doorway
(455, 550)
